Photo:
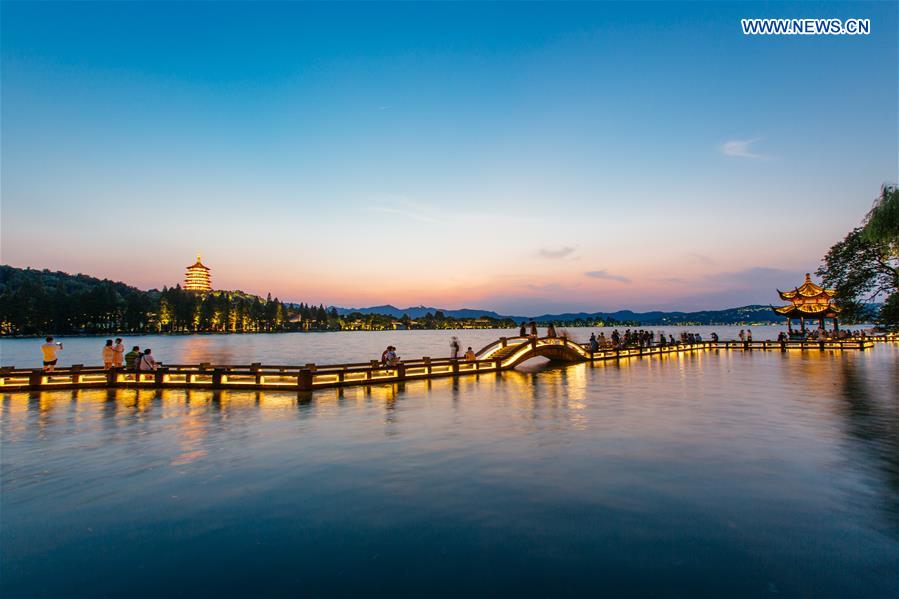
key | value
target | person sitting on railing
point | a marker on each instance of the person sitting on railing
(603, 342)
(131, 358)
(523, 331)
(594, 344)
(384, 354)
(748, 335)
(671, 340)
(391, 359)
(714, 337)
(470, 356)
(533, 328)
(146, 361)
(698, 338)
(551, 331)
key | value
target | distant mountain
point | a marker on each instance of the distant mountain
(419, 311)
(753, 313)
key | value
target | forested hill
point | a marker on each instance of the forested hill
(42, 301)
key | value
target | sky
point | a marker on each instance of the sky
(521, 157)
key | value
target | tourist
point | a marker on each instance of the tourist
(594, 344)
(551, 331)
(49, 350)
(523, 331)
(454, 348)
(749, 335)
(391, 359)
(469, 355)
(108, 355)
(671, 340)
(118, 356)
(131, 358)
(602, 339)
(533, 327)
(616, 337)
(384, 354)
(146, 361)
(742, 336)
(715, 337)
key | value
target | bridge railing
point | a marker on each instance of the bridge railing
(313, 376)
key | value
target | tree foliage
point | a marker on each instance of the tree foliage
(861, 271)
(882, 222)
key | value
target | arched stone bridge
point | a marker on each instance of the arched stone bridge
(512, 351)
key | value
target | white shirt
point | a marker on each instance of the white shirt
(49, 350)
(146, 362)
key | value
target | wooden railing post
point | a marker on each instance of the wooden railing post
(217, 374)
(111, 375)
(400, 371)
(304, 380)
(503, 341)
(158, 375)
(35, 377)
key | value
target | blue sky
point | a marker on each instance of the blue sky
(520, 157)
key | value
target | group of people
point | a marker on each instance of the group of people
(529, 329)
(113, 355)
(455, 348)
(643, 338)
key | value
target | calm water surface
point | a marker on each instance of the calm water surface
(720, 474)
(302, 348)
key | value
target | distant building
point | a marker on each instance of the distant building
(197, 277)
(808, 301)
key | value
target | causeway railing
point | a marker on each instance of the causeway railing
(501, 355)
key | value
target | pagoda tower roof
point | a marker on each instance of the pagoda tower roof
(198, 264)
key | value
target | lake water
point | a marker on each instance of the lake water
(715, 473)
(303, 348)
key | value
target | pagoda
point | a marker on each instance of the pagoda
(197, 277)
(808, 301)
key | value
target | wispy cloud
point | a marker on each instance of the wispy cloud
(739, 148)
(402, 206)
(603, 274)
(422, 218)
(700, 258)
(551, 254)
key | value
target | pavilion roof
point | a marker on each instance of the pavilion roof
(807, 290)
(822, 310)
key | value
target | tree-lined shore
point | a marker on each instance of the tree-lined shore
(39, 302)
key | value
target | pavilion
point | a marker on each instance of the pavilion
(809, 301)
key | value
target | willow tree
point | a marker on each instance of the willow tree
(864, 266)
(882, 222)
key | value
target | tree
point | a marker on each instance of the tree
(882, 222)
(861, 271)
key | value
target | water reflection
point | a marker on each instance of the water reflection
(738, 471)
(872, 426)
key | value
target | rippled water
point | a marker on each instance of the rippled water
(748, 474)
(302, 348)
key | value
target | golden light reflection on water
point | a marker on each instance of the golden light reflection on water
(562, 395)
